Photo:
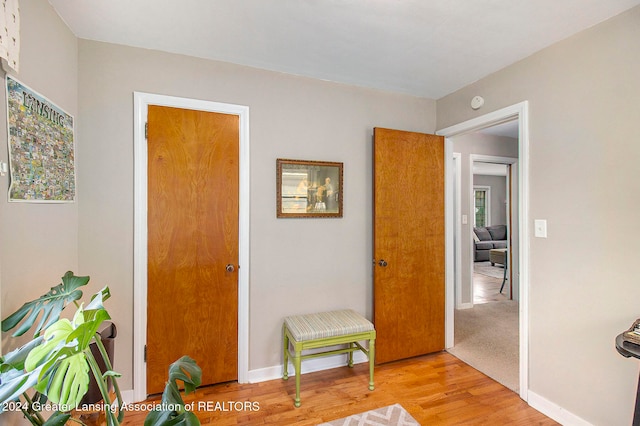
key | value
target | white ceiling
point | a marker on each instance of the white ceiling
(426, 48)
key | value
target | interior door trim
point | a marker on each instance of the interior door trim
(141, 103)
(519, 111)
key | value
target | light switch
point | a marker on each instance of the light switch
(540, 226)
(464, 219)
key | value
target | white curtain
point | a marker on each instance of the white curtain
(10, 34)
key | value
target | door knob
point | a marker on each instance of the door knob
(382, 263)
(229, 268)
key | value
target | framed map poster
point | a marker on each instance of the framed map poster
(41, 147)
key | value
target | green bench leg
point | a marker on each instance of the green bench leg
(285, 339)
(297, 363)
(372, 356)
(350, 359)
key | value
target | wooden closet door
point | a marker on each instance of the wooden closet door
(193, 191)
(409, 244)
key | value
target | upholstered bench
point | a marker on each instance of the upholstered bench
(321, 330)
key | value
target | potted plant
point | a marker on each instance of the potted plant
(174, 410)
(55, 367)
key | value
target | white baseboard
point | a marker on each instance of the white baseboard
(275, 372)
(464, 306)
(554, 411)
(127, 396)
(308, 366)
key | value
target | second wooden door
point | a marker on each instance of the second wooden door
(409, 281)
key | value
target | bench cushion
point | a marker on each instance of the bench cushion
(326, 324)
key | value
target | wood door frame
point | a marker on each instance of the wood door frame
(141, 103)
(519, 111)
(455, 256)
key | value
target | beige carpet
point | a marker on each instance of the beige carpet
(486, 338)
(393, 415)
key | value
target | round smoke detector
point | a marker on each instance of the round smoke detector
(477, 102)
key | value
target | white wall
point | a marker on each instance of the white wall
(497, 202)
(584, 152)
(38, 242)
(297, 265)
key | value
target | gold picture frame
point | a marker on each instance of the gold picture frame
(308, 188)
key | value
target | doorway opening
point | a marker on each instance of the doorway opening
(492, 261)
(460, 225)
(486, 326)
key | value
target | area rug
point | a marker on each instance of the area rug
(485, 268)
(392, 415)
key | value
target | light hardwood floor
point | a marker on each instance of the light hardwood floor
(487, 289)
(437, 389)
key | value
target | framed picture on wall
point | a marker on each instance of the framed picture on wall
(41, 147)
(308, 188)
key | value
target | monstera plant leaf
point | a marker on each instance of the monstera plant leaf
(58, 362)
(55, 337)
(14, 383)
(68, 380)
(13, 379)
(64, 356)
(50, 305)
(187, 371)
(15, 359)
(64, 376)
